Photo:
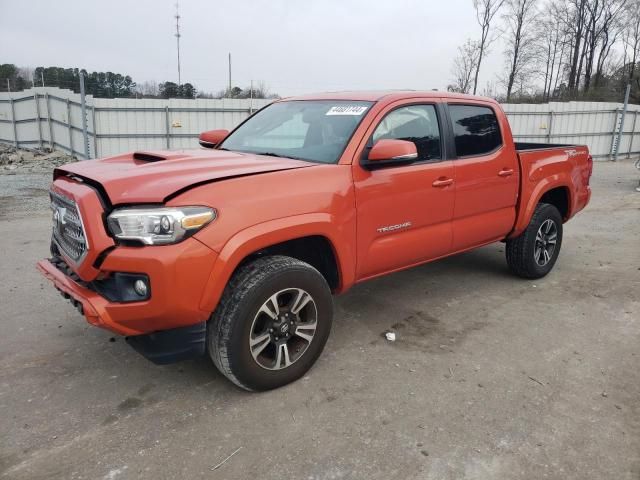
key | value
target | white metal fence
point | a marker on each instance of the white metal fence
(595, 124)
(51, 117)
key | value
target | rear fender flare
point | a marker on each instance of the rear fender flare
(269, 233)
(544, 185)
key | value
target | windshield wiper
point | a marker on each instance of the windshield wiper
(273, 154)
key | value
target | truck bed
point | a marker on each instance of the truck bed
(543, 163)
(524, 146)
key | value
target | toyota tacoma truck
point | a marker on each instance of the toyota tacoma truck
(235, 250)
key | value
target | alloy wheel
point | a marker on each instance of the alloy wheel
(545, 244)
(283, 329)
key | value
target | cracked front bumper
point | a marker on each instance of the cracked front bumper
(177, 275)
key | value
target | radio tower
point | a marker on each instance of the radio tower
(177, 35)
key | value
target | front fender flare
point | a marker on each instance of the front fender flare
(272, 232)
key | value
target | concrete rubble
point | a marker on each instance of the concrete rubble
(27, 160)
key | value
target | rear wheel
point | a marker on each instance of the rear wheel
(271, 324)
(534, 253)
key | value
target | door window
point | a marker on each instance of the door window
(414, 123)
(475, 130)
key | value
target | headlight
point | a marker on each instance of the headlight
(160, 225)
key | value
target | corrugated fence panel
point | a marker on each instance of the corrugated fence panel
(589, 123)
(52, 117)
(43, 116)
(148, 124)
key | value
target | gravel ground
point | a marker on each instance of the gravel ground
(491, 377)
(23, 193)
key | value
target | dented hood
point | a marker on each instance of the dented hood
(152, 176)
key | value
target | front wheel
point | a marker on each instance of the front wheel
(534, 253)
(271, 324)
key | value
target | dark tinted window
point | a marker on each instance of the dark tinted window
(475, 129)
(414, 123)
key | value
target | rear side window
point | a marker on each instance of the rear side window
(475, 129)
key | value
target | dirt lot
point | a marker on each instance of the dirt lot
(491, 377)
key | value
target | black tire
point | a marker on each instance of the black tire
(521, 251)
(230, 327)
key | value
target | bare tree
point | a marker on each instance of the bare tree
(485, 12)
(553, 42)
(593, 27)
(577, 20)
(490, 90)
(28, 73)
(148, 89)
(632, 36)
(520, 39)
(611, 31)
(602, 31)
(464, 65)
(564, 15)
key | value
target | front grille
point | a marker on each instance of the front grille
(68, 232)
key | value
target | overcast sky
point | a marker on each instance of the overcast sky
(294, 46)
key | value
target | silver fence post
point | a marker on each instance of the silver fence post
(69, 128)
(251, 100)
(612, 151)
(83, 107)
(633, 131)
(95, 131)
(35, 99)
(46, 101)
(166, 119)
(621, 128)
(13, 122)
(550, 126)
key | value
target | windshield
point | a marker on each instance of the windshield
(314, 130)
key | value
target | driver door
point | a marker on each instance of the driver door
(404, 212)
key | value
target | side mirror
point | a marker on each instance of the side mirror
(212, 138)
(391, 152)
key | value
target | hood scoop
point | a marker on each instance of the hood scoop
(156, 156)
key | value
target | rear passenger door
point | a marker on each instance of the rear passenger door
(486, 175)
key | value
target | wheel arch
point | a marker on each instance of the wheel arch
(312, 238)
(554, 190)
(559, 197)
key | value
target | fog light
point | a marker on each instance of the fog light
(140, 287)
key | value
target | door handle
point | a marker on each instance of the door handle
(505, 172)
(442, 182)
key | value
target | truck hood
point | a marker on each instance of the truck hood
(152, 176)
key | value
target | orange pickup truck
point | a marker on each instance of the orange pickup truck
(237, 248)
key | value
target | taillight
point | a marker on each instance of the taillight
(590, 167)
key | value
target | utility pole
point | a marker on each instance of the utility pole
(8, 86)
(42, 76)
(229, 73)
(177, 35)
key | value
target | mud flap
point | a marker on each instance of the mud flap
(170, 346)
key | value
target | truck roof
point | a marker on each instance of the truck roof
(387, 95)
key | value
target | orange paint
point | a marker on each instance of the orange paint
(376, 220)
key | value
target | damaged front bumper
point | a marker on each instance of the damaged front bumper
(165, 327)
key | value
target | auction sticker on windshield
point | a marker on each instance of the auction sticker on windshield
(347, 110)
